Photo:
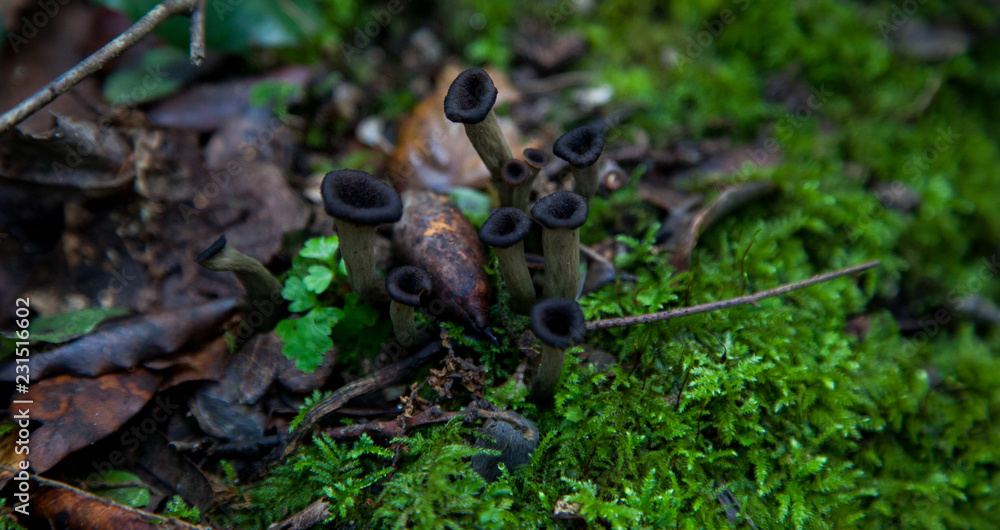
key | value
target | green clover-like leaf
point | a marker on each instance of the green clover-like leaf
(319, 279)
(323, 248)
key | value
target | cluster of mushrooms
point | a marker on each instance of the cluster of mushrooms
(359, 202)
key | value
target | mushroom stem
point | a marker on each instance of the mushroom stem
(561, 215)
(489, 142)
(403, 323)
(561, 248)
(514, 271)
(514, 183)
(359, 202)
(263, 289)
(536, 160)
(543, 386)
(357, 246)
(586, 181)
(505, 231)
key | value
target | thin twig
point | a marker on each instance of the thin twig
(732, 302)
(198, 33)
(109, 51)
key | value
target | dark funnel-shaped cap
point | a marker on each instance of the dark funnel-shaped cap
(470, 97)
(558, 322)
(360, 198)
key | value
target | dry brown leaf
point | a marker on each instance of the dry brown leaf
(128, 343)
(74, 510)
(76, 412)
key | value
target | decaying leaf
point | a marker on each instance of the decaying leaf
(434, 235)
(208, 363)
(75, 155)
(206, 106)
(129, 343)
(76, 412)
(220, 413)
(176, 471)
(9, 457)
(260, 362)
(76, 510)
(470, 375)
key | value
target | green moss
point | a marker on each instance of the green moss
(807, 424)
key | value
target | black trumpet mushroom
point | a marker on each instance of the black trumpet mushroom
(405, 286)
(470, 101)
(359, 202)
(263, 289)
(559, 324)
(581, 147)
(505, 230)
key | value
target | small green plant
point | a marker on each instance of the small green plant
(176, 507)
(341, 473)
(316, 285)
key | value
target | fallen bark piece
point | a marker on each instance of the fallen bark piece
(435, 236)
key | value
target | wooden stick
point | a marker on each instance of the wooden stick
(109, 51)
(732, 302)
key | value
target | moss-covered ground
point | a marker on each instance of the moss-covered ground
(864, 402)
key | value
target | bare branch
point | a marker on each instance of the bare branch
(109, 51)
(732, 302)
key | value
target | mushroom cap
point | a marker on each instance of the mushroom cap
(505, 227)
(515, 172)
(360, 198)
(405, 284)
(212, 250)
(536, 157)
(562, 209)
(470, 97)
(581, 147)
(558, 322)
